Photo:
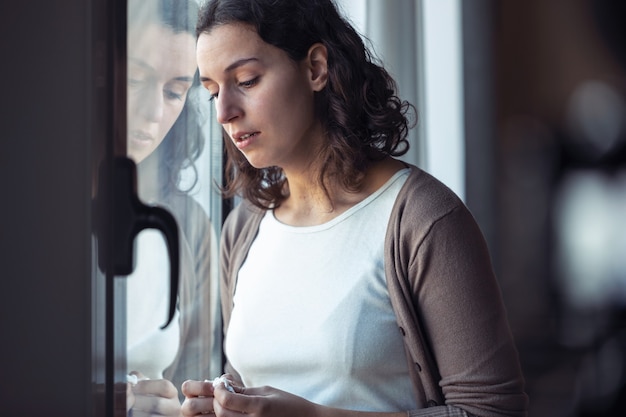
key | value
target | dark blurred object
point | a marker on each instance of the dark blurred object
(592, 300)
(561, 185)
(610, 16)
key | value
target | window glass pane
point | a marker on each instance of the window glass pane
(177, 150)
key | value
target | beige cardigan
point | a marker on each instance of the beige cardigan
(448, 305)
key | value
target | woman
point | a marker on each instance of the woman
(164, 137)
(337, 243)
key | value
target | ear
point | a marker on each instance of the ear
(317, 64)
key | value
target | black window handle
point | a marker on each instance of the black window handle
(121, 216)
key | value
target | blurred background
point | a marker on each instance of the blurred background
(559, 77)
(523, 114)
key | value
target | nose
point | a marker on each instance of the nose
(228, 107)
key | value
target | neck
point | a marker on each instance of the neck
(307, 197)
(310, 204)
(148, 187)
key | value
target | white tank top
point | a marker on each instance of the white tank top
(312, 314)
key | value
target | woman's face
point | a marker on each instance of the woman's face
(161, 66)
(263, 99)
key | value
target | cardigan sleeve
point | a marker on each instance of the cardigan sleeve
(457, 333)
(238, 233)
(464, 319)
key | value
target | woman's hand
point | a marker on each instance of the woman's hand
(202, 398)
(260, 402)
(198, 398)
(157, 397)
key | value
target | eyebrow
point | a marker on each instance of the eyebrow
(142, 64)
(233, 66)
(183, 79)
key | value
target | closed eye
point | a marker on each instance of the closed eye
(177, 90)
(173, 95)
(243, 84)
(249, 83)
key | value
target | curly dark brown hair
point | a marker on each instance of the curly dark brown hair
(363, 116)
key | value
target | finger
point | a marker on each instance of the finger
(156, 387)
(156, 406)
(138, 374)
(228, 403)
(197, 406)
(232, 406)
(141, 413)
(135, 376)
(191, 388)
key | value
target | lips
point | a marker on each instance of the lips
(244, 139)
(140, 136)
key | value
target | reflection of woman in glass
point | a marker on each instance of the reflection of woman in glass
(164, 137)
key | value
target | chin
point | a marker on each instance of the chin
(255, 162)
(259, 165)
(136, 157)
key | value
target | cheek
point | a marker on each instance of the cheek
(170, 114)
(298, 97)
(132, 104)
(285, 105)
(296, 112)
